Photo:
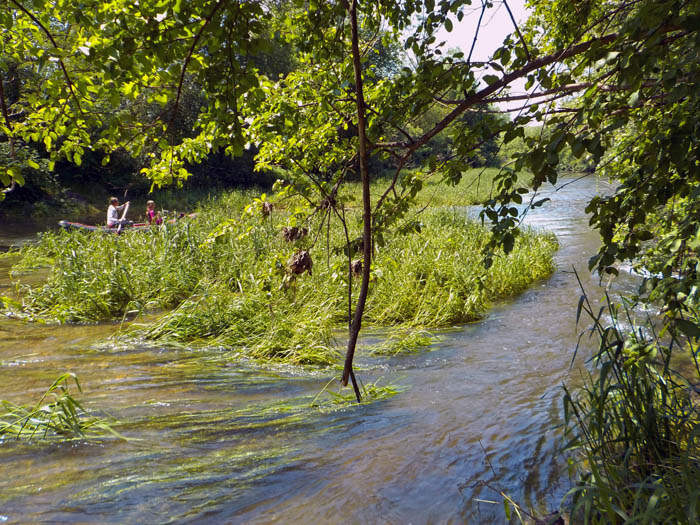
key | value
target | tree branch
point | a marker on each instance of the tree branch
(50, 37)
(505, 81)
(517, 30)
(476, 33)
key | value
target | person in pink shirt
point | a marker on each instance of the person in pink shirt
(152, 216)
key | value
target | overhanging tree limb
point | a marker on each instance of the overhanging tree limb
(505, 81)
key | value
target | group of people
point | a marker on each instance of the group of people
(115, 221)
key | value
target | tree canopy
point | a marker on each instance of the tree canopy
(615, 80)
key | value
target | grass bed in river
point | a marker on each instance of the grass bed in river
(234, 290)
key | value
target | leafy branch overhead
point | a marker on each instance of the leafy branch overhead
(615, 81)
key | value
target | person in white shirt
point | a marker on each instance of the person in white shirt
(113, 213)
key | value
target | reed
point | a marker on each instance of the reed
(633, 428)
(57, 414)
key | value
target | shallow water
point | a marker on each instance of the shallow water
(480, 407)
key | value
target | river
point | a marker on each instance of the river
(477, 412)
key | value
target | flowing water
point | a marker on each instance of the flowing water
(476, 413)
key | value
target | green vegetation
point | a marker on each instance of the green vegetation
(404, 342)
(475, 186)
(633, 429)
(233, 287)
(319, 90)
(56, 415)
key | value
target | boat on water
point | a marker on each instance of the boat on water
(142, 226)
(69, 225)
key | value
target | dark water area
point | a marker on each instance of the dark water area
(14, 233)
(477, 412)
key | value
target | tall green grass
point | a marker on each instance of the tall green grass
(476, 186)
(233, 289)
(56, 414)
(634, 427)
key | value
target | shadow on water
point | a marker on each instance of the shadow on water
(14, 233)
(231, 442)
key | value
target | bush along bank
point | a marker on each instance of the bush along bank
(272, 293)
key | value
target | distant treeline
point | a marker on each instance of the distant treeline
(82, 190)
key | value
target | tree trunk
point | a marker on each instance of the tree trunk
(11, 137)
(356, 323)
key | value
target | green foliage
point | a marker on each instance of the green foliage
(104, 69)
(56, 414)
(633, 429)
(634, 119)
(139, 114)
(225, 276)
(568, 161)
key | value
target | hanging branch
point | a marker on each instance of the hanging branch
(517, 30)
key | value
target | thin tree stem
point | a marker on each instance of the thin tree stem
(366, 205)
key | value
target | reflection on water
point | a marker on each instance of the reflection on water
(487, 389)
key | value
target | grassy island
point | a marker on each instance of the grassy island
(223, 278)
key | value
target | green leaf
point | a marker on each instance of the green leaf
(508, 242)
(530, 82)
(578, 148)
(16, 173)
(491, 79)
(634, 99)
(688, 328)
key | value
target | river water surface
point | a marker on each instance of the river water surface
(475, 413)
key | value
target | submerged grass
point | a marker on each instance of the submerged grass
(404, 342)
(234, 289)
(56, 414)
